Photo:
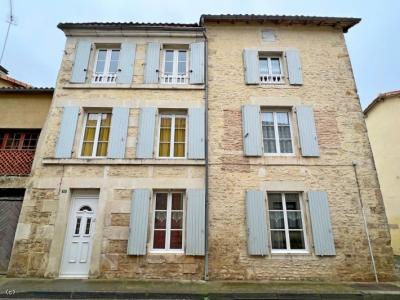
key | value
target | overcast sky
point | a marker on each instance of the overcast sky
(34, 49)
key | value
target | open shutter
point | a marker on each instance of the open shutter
(307, 131)
(321, 223)
(67, 132)
(138, 223)
(294, 67)
(82, 54)
(250, 57)
(257, 241)
(119, 129)
(147, 123)
(126, 62)
(252, 135)
(152, 63)
(197, 63)
(195, 222)
(196, 133)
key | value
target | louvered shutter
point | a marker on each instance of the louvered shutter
(321, 223)
(252, 133)
(196, 133)
(294, 67)
(81, 61)
(197, 63)
(126, 62)
(257, 240)
(151, 70)
(251, 66)
(307, 131)
(67, 132)
(195, 222)
(118, 132)
(140, 206)
(147, 123)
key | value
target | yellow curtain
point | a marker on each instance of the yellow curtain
(180, 136)
(165, 137)
(105, 120)
(88, 139)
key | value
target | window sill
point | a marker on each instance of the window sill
(134, 86)
(290, 252)
(180, 252)
(109, 161)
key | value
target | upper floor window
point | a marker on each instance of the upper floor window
(175, 67)
(96, 134)
(277, 135)
(106, 66)
(172, 136)
(270, 69)
(19, 140)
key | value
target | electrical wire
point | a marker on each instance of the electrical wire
(10, 22)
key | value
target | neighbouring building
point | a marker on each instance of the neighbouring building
(383, 123)
(24, 111)
(230, 149)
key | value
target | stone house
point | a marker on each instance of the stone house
(230, 149)
(24, 111)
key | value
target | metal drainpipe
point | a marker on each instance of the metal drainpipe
(206, 153)
(365, 225)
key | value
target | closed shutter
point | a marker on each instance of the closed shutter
(138, 222)
(321, 223)
(151, 70)
(82, 54)
(252, 135)
(257, 240)
(147, 123)
(250, 57)
(126, 62)
(294, 67)
(307, 131)
(195, 222)
(196, 133)
(119, 129)
(197, 63)
(67, 132)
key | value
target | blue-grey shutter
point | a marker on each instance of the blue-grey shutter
(67, 132)
(251, 68)
(119, 129)
(126, 62)
(140, 206)
(147, 123)
(321, 223)
(252, 135)
(257, 240)
(80, 64)
(195, 222)
(294, 67)
(196, 133)
(307, 132)
(151, 70)
(197, 63)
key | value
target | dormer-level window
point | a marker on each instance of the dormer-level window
(270, 69)
(175, 67)
(106, 66)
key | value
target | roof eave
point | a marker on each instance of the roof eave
(111, 27)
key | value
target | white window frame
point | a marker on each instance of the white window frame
(175, 76)
(99, 77)
(287, 250)
(172, 141)
(277, 144)
(270, 76)
(96, 135)
(168, 223)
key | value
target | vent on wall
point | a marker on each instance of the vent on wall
(268, 35)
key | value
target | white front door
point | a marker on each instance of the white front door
(79, 237)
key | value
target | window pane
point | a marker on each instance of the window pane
(276, 66)
(284, 132)
(267, 118)
(176, 239)
(104, 134)
(101, 60)
(78, 225)
(159, 239)
(176, 219)
(105, 120)
(292, 201)
(269, 132)
(278, 239)
(89, 134)
(179, 150)
(263, 66)
(294, 220)
(282, 118)
(164, 150)
(177, 201)
(182, 67)
(275, 201)
(92, 120)
(286, 146)
(161, 201)
(276, 220)
(88, 223)
(113, 66)
(115, 55)
(102, 149)
(270, 146)
(169, 62)
(102, 55)
(160, 220)
(87, 149)
(296, 240)
(180, 135)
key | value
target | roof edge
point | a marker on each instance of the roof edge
(380, 98)
(131, 26)
(33, 90)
